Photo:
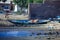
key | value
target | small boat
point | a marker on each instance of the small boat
(29, 21)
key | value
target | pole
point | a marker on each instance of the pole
(28, 8)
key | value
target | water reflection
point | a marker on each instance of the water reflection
(27, 33)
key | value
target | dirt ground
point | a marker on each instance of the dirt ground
(3, 20)
(14, 16)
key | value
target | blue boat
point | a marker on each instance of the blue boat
(28, 22)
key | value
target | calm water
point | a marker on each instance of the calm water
(25, 34)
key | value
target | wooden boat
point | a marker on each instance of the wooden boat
(28, 21)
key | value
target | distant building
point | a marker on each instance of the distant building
(7, 6)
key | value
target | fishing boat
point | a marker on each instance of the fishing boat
(29, 21)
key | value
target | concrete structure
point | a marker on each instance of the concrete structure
(8, 6)
(50, 9)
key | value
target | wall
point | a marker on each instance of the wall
(44, 11)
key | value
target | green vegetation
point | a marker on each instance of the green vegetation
(21, 3)
(24, 3)
(36, 1)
